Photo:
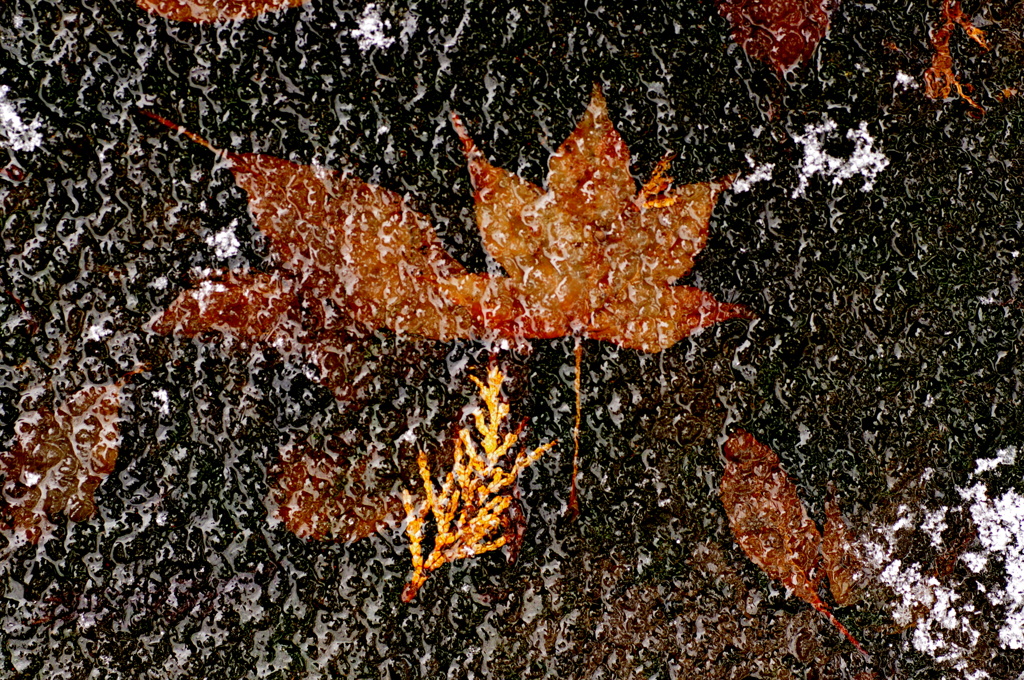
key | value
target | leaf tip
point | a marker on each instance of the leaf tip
(468, 146)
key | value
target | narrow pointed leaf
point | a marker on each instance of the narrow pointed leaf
(767, 518)
(770, 523)
(250, 307)
(840, 560)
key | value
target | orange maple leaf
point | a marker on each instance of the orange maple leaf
(591, 255)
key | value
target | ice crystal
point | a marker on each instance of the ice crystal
(934, 524)
(163, 402)
(943, 627)
(951, 622)
(224, 243)
(1005, 456)
(905, 81)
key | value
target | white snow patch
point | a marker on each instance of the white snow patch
(943, 619)
(205, 291)
(410, 22)
(224, 243)
(864, 161)
(1000, 524)
(159, 283)
(905, 81)
(163, 402)
(934, 524)
(96, 332)
(370, 31)
(1005, 456)
(19, 135)
(805, 434)
(761, 173)
(942, 627)
(976, 562)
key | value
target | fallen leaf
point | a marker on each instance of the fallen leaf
(325, 494)
(939, 79)
(770, 523)
(590, 255)
(767, 517)
(355, 250)
(59, 459)
(781, 33)
(210, 11)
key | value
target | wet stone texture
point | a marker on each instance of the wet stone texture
(243, 518)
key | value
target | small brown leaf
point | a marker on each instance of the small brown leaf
(767, 517)
(770, 523)
(781, 33)
(210, 11)
(325, 495)
(59, 459)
